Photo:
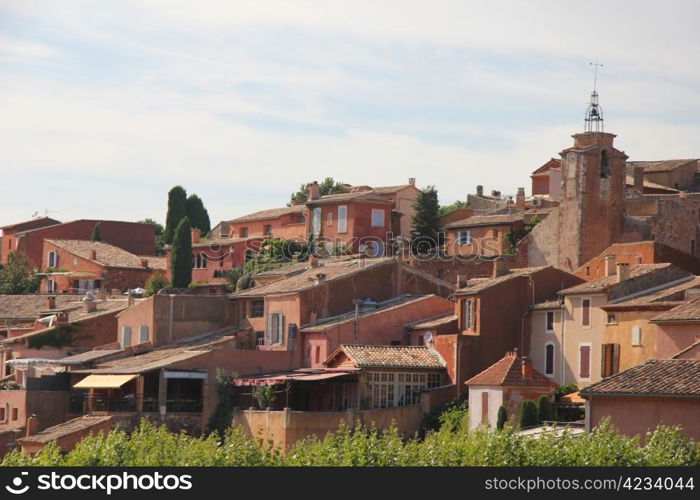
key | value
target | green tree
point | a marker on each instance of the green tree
(544, 409)
(528, 414)
(160, 238)
(328, 186)
(502, 418)
(264, 396)
(16, 277)
(245, 282)
(232, 276)
(451, 207)
(96, 234)
(177, 210)
(425, 221)
(155, 284)
(181, 255)
(199, 217)
(220, 420)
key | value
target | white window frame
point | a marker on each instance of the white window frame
(126, 329)
(554, 359)
(275, 328)
(50, 286)
(590, 361)
(378, 212)
(342, 218)
(636, 338)
(590, 312)
(316, 220)
(468, 314)
(607, 318)
(52, 259)
(546, 321)
(464, 237)
(143, 329)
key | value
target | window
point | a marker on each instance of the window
(611, 319)
(636, 336)
(243, 232)
(468, 319)
(267, 229)
(329, 218)
(604, 164)
(584, 361)
(588, 270)
(549, 358)
(15, 413)
(199, 261)
(377, 218)
(259, 338)
(50, 286)
(343, 219)
(585, 312)
(386, 390)
(549, 327)
(53, 259)
(610, 359)
(257, 309)
(317, 354)
(464, 237)
(275, 328)
(316, 221)
(126, 336)
(2, 414)
(143, 334)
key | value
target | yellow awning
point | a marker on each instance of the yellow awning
(104, 381)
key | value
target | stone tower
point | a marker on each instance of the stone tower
(592, 207)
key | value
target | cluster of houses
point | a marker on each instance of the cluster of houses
(593, 280)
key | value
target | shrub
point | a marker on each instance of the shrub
(528, 414)
(544, 409)
(502, 418)
(452, 415)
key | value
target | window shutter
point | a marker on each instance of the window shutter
(280, 329)
(585, 353)
(269, 329)
(616, 359)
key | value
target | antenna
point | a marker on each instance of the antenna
(47, 212)
(594, 113)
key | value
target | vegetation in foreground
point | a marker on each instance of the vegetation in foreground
(451, 445)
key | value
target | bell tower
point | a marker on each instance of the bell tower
(592, 210)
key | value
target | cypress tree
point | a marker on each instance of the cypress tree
(425, 221)
(96, 235)
(528, 414)
(199, 217)
(177, 209)
(544, 409)
(502, 418)
(181, 257)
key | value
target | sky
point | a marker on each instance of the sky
(104, 106)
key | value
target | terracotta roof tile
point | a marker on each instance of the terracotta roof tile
(66, 428)
(270, 213)
(488, 220)
(434, 322)
(686, 312)
(476, 285)
(106, 255)
(358, 195)
(660, 166)
(655, 377)
(508, 372)
(28, 307)
(385, 356)
(602, 284)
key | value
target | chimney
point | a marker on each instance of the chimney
(313, 261)
(32, 426)
(638, 184)
(480, 190)
(500, 267)
(131, 299)
(144, 262)
(320, 278)
(196, 235)
(526, 367)
(90, 306)
(520, 199)
(461, 281)
(610, 265)
(93, 254)
(51, 302)
(314, 191)
(623, 271)
(495, 193)
(411, 181)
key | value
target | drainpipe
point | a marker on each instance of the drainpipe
(357, 303)
(170, 319)
(563, 328)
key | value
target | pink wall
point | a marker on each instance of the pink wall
(672, 338)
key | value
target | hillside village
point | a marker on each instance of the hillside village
(591, 280)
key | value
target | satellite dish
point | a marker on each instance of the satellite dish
(428, 337)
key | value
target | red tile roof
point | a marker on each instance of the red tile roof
(108, 255)
(389, 356)
(271, 213)
(602, 284)
(686, 312)
(655, 377)
(660, 166)
(507, 372)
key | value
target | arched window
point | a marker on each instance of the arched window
(604, 164)
(549, 359)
